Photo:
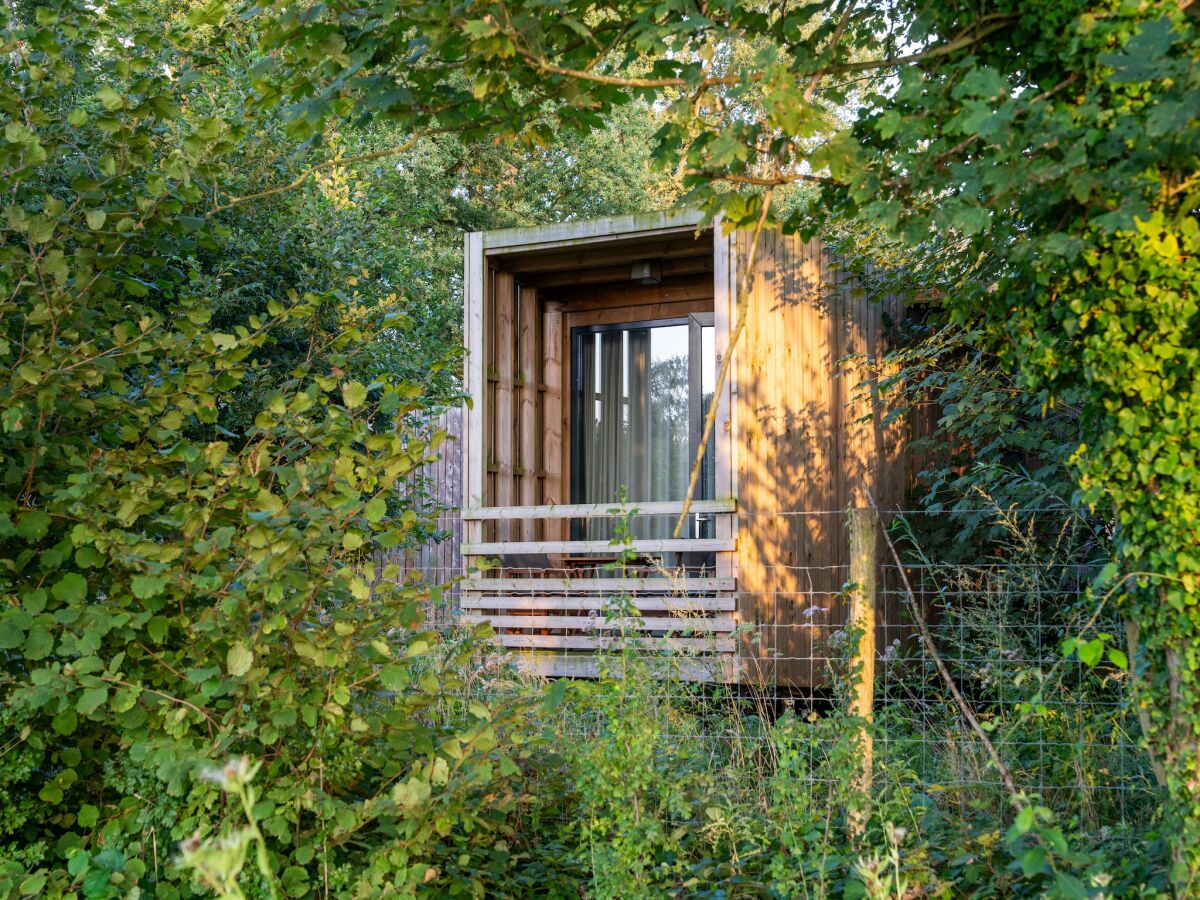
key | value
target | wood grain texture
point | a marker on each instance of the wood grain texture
(639, 225)
(474, 446)
(580, 642)
(649, 545)
(805, 454)
(598, 510)
(619, 272)
(676, 625)
(670, 290)
(680, 245)
(553, 405)
(577, 601)
(529, 409)
(589, 584)
(502, 417)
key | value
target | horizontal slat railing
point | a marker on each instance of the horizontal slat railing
(677, 626)
(597, 510)
(667, 545)
(599, 642)
(595, 601)
(563, 615)
(601, 585)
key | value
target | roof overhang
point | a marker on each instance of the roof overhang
(568, 234)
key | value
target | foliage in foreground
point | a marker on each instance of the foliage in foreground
(198, 476)
(641, 785)
(1058, 140)
(176, 593)
(204, 417)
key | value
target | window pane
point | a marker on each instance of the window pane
(708, 384)
(636, 437)
(637, 426)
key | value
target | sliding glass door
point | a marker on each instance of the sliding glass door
(640, 392)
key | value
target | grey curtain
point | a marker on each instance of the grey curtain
(634, 428)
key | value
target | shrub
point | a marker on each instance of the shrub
(175, 593)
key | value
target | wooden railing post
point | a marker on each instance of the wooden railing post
(863, 525)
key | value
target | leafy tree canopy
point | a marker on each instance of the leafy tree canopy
(1058, 141)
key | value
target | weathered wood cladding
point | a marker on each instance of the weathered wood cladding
(796, 443)
(522, 403)
(807, 448)
(554, 480)
(533, 301)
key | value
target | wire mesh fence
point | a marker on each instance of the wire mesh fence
(974, 609)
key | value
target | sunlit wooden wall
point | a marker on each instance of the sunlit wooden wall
(804, 456)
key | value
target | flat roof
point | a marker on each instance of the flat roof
(565, 234)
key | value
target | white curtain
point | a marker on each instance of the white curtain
(634, 427)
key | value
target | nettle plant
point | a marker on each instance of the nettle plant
(175, 594)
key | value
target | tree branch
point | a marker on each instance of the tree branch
(833, 44)
(541, 64)
(760, 181)
(743, 303)
(328, 164)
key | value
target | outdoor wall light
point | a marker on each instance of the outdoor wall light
(646, 271)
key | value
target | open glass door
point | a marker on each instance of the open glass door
(640, 392)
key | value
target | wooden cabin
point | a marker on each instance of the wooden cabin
(593, 353)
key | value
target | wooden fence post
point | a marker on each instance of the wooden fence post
(863, 522)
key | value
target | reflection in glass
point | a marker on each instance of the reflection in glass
(638, 419)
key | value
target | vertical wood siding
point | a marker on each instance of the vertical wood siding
(438, 488)
(808, 448)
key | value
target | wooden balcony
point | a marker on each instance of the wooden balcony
(560, 604)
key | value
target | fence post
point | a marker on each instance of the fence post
(863, 522)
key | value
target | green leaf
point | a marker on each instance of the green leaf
(555, 695)
(354, 394)
(393, 677)
(39, 644)
(1109, 571)
(34, 601)
(375, 509)
(12, 633)
(1033, 861)
(78, 863)
(1069, 886)
(95, 218)
(33, 885)
(239, 659)
(1024, 820)
(1118, 658)
(157, 628)
(147, 586)
(109, 98)
(34, 524)
(441, 772)
(88, 816)
(71, 588)
(1089, 653)
(91, 699)
(65, 721)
